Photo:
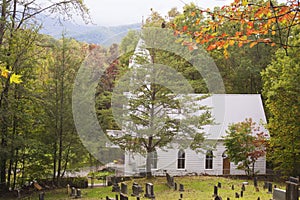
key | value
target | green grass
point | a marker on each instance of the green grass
(196, 188)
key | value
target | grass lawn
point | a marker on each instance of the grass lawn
(196, 188)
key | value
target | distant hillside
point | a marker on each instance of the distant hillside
(87, 33)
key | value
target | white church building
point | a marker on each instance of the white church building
(177, 161)
(226, 109)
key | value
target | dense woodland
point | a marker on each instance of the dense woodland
(38, 135)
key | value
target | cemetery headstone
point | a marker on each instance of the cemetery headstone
(292, 189)
(215, 191)
(78, 193)
(218, 198)
(41, 196)
(255, 182)
(181, 188)
(115, 187)
(270, 188)
(242, 193)
(266, 185)
(170, 180)
(124, 189)
(219, 185)
(258, 198)
(237, 195)
(232, 187)
(123, 197)
(257, 189)
(136, 190)
(68, 189)
(294, 180)
(149, 191)
(175, 186)
(278, 194)
(73, 192)
(181, 195)
(243, 188)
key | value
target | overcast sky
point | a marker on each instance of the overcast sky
(120, 12)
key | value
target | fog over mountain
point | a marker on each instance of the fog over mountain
(102, 35)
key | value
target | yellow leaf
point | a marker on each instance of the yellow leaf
(253, 44)
(231, 42)
(4, 73)
(244, 2)
(15, 79)
(244, 37)
(273, 32)
(225, 52)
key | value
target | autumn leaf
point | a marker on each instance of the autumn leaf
(253, 44)
(15, 79)
(211, 47)
(244, 2)
(226, 55)
(231, 42)
(185, 28)
(4, 73)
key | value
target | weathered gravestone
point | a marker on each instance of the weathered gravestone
(237, 195)
(115, 187)
(73, 192)
(218, 198)
(181, 188)
(215, 191)
(42, 196)
(292, 188)
(78, 194)
(242, 193)
(123, 197)
(270, 188)
(278, 194)
(266, 185)
(149, 191)
(136, 190)
(219, 185)
(124, 189)
(232, 187)
(255, 182)
(68, 189)
(243, 188)
(170, 180)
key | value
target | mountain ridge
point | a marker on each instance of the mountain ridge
(101, 35)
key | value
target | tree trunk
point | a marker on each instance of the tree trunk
(15, 170)
(148, 166)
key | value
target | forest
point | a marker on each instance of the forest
(254, 44)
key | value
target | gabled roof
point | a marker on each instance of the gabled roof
(232, 108)
(226, 109)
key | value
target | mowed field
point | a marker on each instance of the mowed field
(195, 188)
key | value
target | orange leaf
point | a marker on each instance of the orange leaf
(185, 28)
(253, 44)
(211, 47)
(231, 42)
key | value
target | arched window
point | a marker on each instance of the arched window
(153, 160)
(209, 160)
(181, 159)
